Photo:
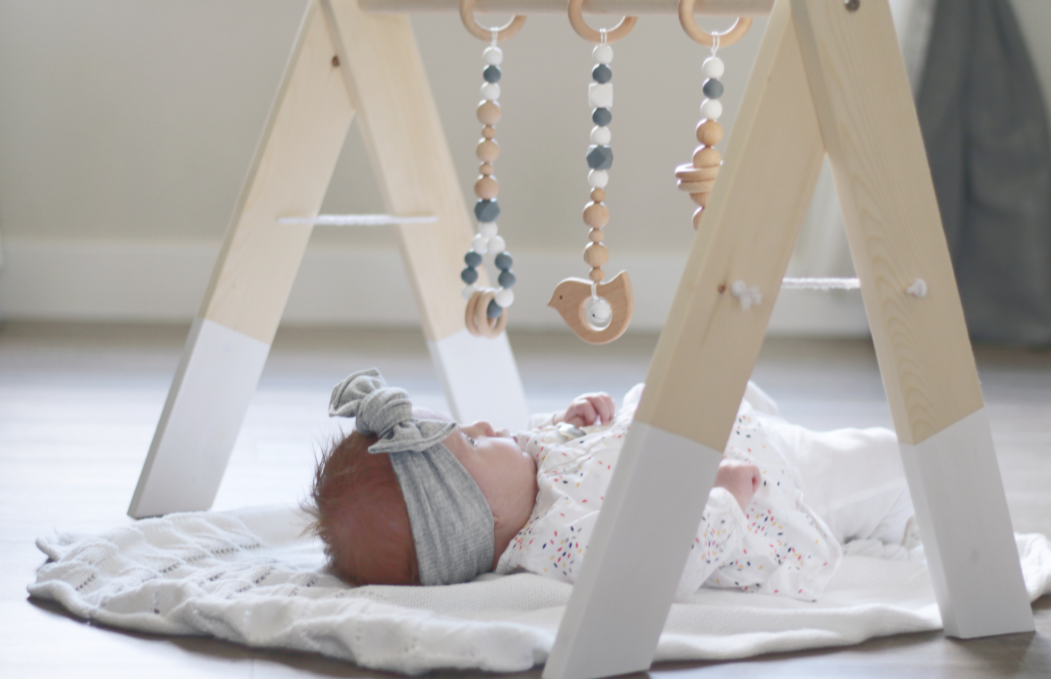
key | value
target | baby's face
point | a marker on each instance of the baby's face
(504, 472)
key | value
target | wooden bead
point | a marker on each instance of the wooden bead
(697, 187)
(597, 275)
(700, 198)
(596, 235)
(489, 113)
(706, 156)
(709, 132)
(598, 195)
(596, 255)
(697, 214)
(596, 215)
(689, 173)
(485, 169)
(486, 187)
(488, 150)
(489, 132)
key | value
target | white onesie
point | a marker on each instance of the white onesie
(777, 545)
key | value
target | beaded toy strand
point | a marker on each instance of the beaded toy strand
(486, 312)
(698, 178)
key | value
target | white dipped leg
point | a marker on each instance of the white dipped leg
(481, 379)
(967, 535)
(635, 557)
(217, 375)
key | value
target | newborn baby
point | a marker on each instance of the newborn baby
(412, 498)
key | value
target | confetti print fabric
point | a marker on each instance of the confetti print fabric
(776, 545)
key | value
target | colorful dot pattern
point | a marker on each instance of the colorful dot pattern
(775, 546)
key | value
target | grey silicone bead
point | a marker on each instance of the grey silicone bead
(487, 210)
(602, 73)
(503, 261)
(472, 258)
(601, 116)
(493, 310)
(506, 279)
(600, 157)
(713, 89)
(492, 73)
(469, 275)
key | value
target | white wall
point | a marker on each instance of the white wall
(126, 129)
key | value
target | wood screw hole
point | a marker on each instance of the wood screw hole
(721, 289)
(335, 61)
(852, 5)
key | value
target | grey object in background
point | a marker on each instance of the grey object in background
(986, 132)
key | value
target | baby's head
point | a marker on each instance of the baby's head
(410, 498)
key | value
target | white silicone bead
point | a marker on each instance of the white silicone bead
(600, 95)
(600, 135)
(598, 311)
(496, 245)
(598, 179)
(711, 109)
(713, 67)
(487, 229)
(491, 91)
(493, 55)
(479, 244)
(505, 297)
(603, 54)
(468, 291)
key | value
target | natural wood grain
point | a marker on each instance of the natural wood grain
(879, 163)
(410, 157)
(288, 178)
(570, 299)
(709, 344)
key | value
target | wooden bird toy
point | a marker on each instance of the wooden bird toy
(597, 315)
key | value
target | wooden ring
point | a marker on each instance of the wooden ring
(506, 31)
(468, 315)
(576, 19)
(726, 38)
(488, 327)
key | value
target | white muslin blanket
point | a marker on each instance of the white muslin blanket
(256, 577)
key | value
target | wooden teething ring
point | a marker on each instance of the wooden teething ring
(506, 31)
(477, 321)
(726, 38)
(576, 19)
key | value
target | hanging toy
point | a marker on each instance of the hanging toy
(597, 312)
(486, 312)
(698, 178)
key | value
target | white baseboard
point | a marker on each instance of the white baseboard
(151, 282)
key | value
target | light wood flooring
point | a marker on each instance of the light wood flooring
(78, 404)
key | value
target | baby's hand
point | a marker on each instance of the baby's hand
(588, 409)
(740, 478)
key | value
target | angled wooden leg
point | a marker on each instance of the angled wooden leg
(698, 374)
(869, 124)
(415, 173)
(231, 336)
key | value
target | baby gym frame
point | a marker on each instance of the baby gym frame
(360, 57)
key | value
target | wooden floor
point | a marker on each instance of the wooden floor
(78, 404)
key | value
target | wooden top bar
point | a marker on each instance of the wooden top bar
(751, 8)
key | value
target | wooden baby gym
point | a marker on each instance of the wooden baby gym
(829, 79)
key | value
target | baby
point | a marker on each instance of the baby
(410, 497)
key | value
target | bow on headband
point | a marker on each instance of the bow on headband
(452, 525)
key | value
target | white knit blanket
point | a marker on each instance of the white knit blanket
(255, 577)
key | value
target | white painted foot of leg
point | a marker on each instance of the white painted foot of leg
(206, 406)
(621, 599)
(481, 379)
(967, 534)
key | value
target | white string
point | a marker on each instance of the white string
(357, 220)
(820, 284)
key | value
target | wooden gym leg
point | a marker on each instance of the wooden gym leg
(869, 124)
(231, 336)
(415, 173)
(698, 374)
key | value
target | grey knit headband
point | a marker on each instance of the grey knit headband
(452, 525)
